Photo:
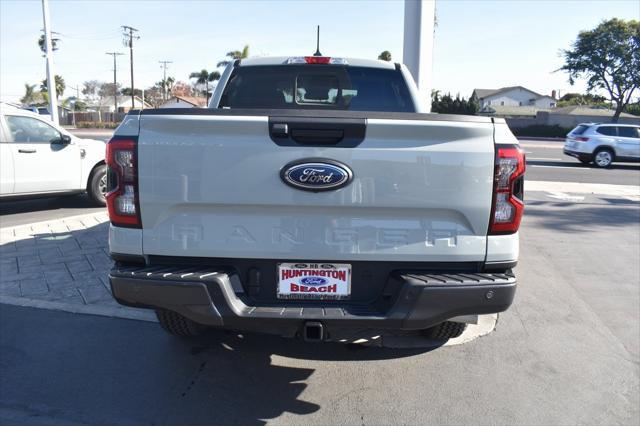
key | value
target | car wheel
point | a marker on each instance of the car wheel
(445, 331)
(603, 158)
(97, 186)
(178, 325)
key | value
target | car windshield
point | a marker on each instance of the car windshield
(317, 86)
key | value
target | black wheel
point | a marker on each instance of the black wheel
(97, 185)
(176, 324)
(603, 157)
(445, 331)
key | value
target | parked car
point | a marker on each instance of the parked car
(313, 199)
(602, 144)
(39, 158)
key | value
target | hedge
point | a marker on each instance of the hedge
(542, 131)
(96, 125)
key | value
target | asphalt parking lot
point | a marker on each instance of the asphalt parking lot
(567, 352)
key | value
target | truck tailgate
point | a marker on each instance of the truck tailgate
(210, 186)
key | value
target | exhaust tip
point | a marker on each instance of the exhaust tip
(313, 331)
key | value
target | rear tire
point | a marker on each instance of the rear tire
(97, 185)
(445, 331)
(178, 325)
(603, 158)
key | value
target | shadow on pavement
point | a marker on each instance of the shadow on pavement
(111, 371)
(572, 217)
(79, 202)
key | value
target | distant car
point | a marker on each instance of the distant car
(603, 144)
(39, 158)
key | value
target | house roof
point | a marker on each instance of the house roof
(508, 110)
(123, 101)
(483, 93)
(192, 100)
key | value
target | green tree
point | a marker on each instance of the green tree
(447, 104)
(60, 85)
(235, 54)
(608, 57)
(582, 99)
(204, 77)
(633, 109)
(29, 94)
(385, 56)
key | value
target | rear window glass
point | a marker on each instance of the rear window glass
(579, 130)
(628, 132)
(607, 130)
(317, 87)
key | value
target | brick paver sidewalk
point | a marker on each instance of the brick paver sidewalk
(60, 264)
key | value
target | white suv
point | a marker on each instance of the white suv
(603, 144)
(39, 158)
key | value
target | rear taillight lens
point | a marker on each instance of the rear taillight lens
(122, 183)
(508, 191)
(581, 139)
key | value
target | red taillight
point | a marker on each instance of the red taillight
(508, 191)
(122, 183)
(581, 139)
(317, 59)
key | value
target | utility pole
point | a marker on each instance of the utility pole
(51, 80)
(417, 52)
(164, 78)
(115, 82)
(128, 33)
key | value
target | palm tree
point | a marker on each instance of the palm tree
(385, 56)
(235, 54)
(204, 77)
(29, 93)
(60, 85)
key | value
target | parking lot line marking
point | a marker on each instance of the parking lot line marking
(565, 197)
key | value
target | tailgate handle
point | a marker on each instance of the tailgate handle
(317, 136)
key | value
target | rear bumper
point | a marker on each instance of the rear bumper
(216, 298)
(583, 156)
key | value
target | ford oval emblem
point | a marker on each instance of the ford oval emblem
(314, 281)
(316, 174)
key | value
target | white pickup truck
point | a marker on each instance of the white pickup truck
(313, 199)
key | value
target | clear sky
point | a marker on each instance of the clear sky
(483, 44)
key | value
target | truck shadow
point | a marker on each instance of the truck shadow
(115, 371)
(251, 378)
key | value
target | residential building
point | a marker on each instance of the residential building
(184, 102)
(107, 104)
(514, 96)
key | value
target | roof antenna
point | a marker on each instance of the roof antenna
(318, 44)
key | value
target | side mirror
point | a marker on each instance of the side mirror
(64, 140)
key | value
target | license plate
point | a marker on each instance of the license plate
(314, 281)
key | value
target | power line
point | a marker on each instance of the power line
(115, 81)
(129, 35)
(164, 78)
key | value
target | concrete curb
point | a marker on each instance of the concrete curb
(53, 221)
(104, 311)
(536, 138)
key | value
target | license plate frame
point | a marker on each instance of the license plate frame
(313, 281)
